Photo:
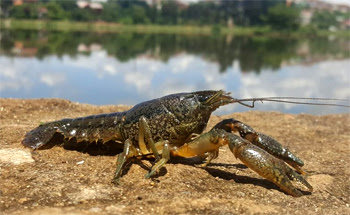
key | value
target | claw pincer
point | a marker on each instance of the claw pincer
(173, 126)
(269, 167)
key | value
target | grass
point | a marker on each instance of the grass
(157, 29)
(102, 27)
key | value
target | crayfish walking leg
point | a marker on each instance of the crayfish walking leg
(121, 159)
(147, 146)
(165, 158)
(257, 159)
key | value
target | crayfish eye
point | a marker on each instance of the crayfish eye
(242, 133)
(203, 98)
(206, 96)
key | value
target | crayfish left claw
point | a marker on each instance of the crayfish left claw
(263, 141)
(269, 167)
(276, 149)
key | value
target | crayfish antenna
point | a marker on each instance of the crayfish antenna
(290, 100)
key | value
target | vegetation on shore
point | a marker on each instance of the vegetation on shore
(116, 27)
(270, 17)
(163, 29)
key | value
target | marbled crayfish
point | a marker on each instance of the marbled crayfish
(173, 126)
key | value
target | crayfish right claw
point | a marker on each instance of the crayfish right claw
(269, 167)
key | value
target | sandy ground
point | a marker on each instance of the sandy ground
(59, 181)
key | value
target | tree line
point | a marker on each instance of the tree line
(273, 13)
(252, 53)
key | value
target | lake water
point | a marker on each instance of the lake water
(130, 68)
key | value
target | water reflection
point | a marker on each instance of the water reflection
(130, 68)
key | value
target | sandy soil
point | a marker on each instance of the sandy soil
(59, 181)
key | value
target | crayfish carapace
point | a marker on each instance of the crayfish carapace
(172, 126)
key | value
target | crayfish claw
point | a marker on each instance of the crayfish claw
(292, 175)
(263, 141)
(270, 167)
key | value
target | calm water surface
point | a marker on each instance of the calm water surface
(131, 68)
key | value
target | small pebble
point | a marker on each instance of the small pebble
(80, 162)
(240, 194)
(22, 200)
(95, 210)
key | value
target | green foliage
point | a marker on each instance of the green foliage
(169, 13)
(55, 11)
(309, 30)
(281, 17)
(81, 15)
(324, 19)
(66, 5)
(25, 11)
(138, 12)
(5, 7)
(19, 13)
(202, 13)
(138, 15)
(111, 12)
(216, 30)
(126, 20)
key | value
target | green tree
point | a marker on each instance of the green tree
(138, 15)
(18, 12)
(169, 13)
(25, 11)
(55, 11)
(5, 7)
(254, 10)
(324, 19)
(202, 13)
(281, 17)
(82, 15)
(111, 12)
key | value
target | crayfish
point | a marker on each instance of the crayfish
(172, 126)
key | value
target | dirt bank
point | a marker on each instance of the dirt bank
(58, 181)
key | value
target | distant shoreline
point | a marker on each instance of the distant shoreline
(106, 27)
